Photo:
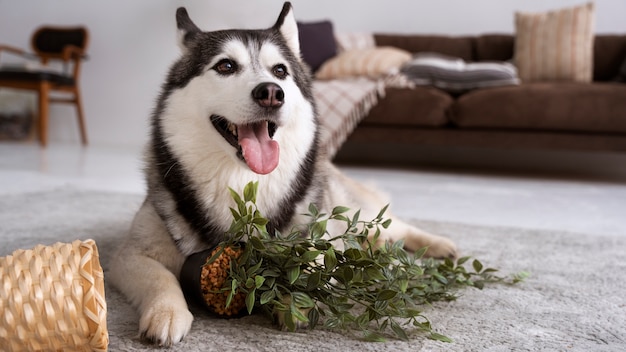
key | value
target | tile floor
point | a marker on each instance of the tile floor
(469, 195)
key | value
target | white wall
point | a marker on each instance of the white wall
(133, 42)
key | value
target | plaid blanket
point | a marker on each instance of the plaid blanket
(341, 105)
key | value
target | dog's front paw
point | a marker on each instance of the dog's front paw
(165, 323)
(441, 248)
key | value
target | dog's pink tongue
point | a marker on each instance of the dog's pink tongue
(259, 150)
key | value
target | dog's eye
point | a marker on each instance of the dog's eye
(279, 71)
(225, 67)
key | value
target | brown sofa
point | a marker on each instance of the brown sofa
(554, 115)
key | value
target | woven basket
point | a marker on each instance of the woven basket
(52, 299)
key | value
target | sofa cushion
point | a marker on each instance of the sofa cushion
(373, 63)
(609, 55)
(491, 47)
(317, 42)
(621, 76)
(455, 75)
(564, 106)
(555, 45)
(462, 47)
(422, 106)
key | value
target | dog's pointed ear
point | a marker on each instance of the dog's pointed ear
(287, 26)
(186, 28)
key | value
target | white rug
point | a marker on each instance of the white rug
(575, 299)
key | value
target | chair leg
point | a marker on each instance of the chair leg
(81, 117)
(44, 90)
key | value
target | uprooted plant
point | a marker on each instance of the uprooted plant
(306, 279)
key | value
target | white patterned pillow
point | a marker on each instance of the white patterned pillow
(555, 45)
(354, 40)
(372, 63)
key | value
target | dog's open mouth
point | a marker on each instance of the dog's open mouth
(253, 142)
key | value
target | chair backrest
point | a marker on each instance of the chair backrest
(50, 41)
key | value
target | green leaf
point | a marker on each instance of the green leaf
(233, 290)
(339, 210)
(318, 230)
(249, 192)
(363, 320)
(250, 298)
(309, 256)
(489, 270)
(385, 295)
(266, 297)
(293, 273)
(302, 300)
(440, 278)
(419, 254)
(403, 284)
(373, 336)
(382, 212)
(297, 313)
(313, 281)
(462, 260)
(330, 260)
(348, 274)
(332, 323)
(313, 210)
(289, 322)
(403, 257)
(271, 273)
(256, 243)
(374, 274)
(235, 196)
(439, 337)
(355, 217)
(478, 266)
(253, 269)
(215, 255)
(521, 276)
(258, 281)
(314, 317)
(235, 214)
(353, 254)
(260, 221)
(386, 223)
(341, 218)
(399, 331)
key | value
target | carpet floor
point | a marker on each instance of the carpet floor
(573, 301)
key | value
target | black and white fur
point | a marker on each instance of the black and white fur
(225, 82)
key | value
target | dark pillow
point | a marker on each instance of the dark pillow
(455, 75)
(317, 42)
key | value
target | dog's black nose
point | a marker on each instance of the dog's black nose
(268, 95)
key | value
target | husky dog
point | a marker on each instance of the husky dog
(236, 107)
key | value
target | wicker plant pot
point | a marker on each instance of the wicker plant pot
(52, 299)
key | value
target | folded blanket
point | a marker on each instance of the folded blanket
(341, 105)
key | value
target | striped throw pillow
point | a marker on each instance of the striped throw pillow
(372, 63)
(555, 45)
(454, 75)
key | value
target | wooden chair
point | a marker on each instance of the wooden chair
(66, 45)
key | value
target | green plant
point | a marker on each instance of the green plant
(305, 278)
